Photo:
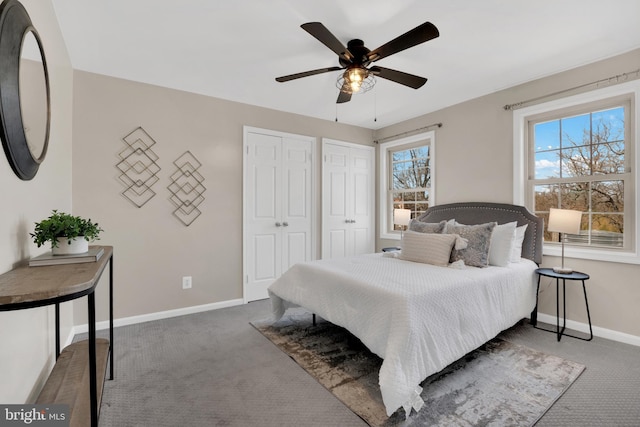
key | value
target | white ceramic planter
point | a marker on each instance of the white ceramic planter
(78, 246)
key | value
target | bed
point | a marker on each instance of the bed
(419, 317)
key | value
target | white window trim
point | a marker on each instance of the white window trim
(384, 179)
(520, 158)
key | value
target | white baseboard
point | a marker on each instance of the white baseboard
(84, 328)
(597, 331)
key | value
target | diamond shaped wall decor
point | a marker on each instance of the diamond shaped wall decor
(186, 188)
(138, 166)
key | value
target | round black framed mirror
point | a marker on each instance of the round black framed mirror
(33, 96)
(20, 61)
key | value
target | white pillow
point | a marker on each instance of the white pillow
(501, 247)
(516, 250)
(428, 248)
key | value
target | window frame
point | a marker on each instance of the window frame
(385, 209)
(523, 162)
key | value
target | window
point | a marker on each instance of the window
(579, 153)
(406, 171)
(579, 163)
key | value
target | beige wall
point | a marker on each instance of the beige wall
(27, 347)
(153, 250)
(474, 162)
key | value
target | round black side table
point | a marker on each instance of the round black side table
(576, 275)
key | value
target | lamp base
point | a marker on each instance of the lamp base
(563, 270)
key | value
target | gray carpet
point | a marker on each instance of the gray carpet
(499, 384)
(215, 369)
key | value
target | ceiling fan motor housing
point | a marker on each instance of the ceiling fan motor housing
(357, 52)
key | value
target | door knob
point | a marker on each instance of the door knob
(286, 224)
(278, 224)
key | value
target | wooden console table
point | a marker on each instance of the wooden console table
(29, 287)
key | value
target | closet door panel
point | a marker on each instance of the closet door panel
(336, 244)
(297, 244)
(266, 265)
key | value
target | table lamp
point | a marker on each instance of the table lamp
(401, 217)
(564, 221)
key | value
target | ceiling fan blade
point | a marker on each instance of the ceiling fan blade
(420, 34)
(406, 79)
(324, 36)
(306, 74)
(343, 97)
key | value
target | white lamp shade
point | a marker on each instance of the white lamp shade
(401, 216)
(564, 221)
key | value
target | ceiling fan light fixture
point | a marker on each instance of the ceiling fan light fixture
(356, 79)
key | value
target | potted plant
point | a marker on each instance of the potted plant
(68, 234)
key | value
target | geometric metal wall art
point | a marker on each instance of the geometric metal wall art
(138, 167)
(186, 188)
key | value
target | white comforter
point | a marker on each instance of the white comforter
(419, 318)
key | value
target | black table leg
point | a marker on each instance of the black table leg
(93, 383)
(586, 302)
(57, 330)
(564, 308)
(534, 313)
(111, 361)
(558, 334)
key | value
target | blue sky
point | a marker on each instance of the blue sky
(548, 138)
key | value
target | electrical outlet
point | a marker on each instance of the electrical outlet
(186, 282)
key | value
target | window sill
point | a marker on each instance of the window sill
(600, 254)
(390, 236)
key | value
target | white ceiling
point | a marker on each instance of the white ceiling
(234, 49)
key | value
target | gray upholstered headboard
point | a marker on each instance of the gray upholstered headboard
(480, 212)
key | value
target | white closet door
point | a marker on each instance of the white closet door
(335, 201)
(278, 207)
(362, 198)
(263, 213)
(297, 192)
(347, 199)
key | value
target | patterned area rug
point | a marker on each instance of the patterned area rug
(499, 384)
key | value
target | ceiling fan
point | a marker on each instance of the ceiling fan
(355, 58)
